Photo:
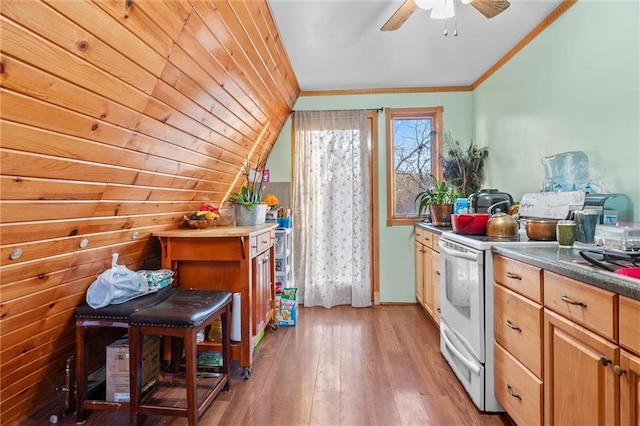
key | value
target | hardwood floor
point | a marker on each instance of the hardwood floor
(341, 366)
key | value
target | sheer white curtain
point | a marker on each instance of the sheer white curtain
(332, 208)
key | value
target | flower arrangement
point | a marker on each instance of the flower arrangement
(252, 192)
(271, 200)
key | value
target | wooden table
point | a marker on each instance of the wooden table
(235, 259)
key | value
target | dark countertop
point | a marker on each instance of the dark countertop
(432, 228)
(568, 262)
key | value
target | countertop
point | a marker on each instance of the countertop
(568, 262)
(216, 231)
(432, 228)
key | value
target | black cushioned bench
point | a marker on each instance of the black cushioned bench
(181, 315)
(115, 316)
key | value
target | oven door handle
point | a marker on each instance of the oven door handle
(470, 365)
(475, 256)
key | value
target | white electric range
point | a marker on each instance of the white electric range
(466, 305)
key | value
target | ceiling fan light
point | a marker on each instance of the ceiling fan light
(443, 10)
(426, 4)
(466, 1)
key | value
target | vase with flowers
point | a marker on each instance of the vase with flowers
(249, 203)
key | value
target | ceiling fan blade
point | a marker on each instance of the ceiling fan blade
(401, 15)
(490, 8)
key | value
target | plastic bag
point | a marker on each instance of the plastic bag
(116, 285)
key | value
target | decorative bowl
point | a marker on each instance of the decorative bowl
(200, 224)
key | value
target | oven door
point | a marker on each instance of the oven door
(469, 371)
(462, 295)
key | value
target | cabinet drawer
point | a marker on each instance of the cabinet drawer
(434, 242)
(629, 320)
(517, 389)
(519, 327)
(518, 276)
(582, 303)
(261, 242)
(424, 237)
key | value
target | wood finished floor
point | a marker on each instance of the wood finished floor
(340, 366)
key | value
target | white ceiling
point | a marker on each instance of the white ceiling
(338, 45)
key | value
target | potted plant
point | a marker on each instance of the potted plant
(465, 165)
(250, 207)
(439, 199)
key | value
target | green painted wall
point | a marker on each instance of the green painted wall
(575, 87)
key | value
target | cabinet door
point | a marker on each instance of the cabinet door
(426, 277)
(629, 388)
(419, 250)
(261, 291)
(435, 284)
(579, 379)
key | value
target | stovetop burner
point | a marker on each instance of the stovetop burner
(611, 259)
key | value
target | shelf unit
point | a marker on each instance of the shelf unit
(283, 263)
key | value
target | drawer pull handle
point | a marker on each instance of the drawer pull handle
(513, 327)
(619, 370)
(567, 299)
(513, 276)
(605, 361)
(512, 393)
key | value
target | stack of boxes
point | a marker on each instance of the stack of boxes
(118, 367)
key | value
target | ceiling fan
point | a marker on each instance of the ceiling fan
(442, 9)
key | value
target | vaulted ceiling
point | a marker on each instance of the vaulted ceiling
(338, 45)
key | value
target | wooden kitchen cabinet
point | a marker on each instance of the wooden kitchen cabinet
(234, 259)
(581, 387)
(581, 353)
(518, 326)
(427, 275)
(629, 369)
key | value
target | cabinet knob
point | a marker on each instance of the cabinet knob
(605, 361)
(619, 370)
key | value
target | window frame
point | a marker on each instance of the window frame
(436, 114)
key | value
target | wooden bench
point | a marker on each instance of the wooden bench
(182, 315)
(113, 316)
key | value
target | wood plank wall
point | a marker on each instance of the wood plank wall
(118, 116)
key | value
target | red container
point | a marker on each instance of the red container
(629, 272)
(470, 223)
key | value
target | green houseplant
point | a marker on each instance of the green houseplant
(438, 199)
(463, 164)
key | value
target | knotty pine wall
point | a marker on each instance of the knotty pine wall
(117, 117)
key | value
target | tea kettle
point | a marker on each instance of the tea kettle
(501, 224)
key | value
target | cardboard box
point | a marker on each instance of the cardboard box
(118, 367)
(209, 359)
(287, 306)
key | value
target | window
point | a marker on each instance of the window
(413, 153)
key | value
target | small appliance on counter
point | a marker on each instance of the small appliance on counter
(479, 202)
(615, 208)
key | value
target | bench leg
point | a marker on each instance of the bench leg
(191, 379)
(135, 372)
(81, 373)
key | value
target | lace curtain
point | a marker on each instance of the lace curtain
(332, 203)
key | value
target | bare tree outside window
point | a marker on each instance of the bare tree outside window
(412, 155)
